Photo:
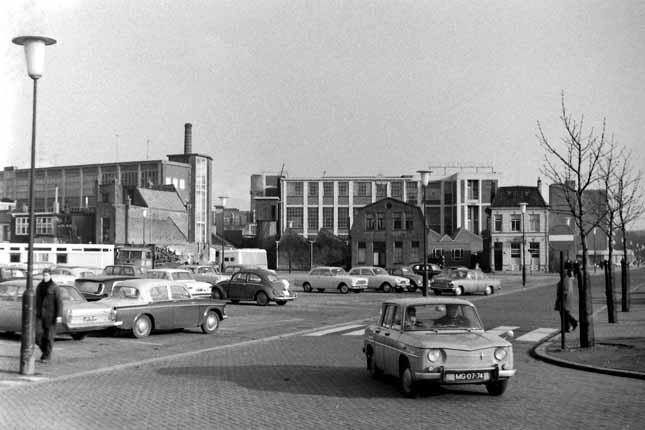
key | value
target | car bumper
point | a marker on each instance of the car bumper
(89, 327)
(440, 375)
(358, 287)
(285, 298)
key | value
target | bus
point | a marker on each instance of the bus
(50, 254)
(246, 256)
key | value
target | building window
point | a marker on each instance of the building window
(44, 225)
(516, 250)
(343, 218)
(381, 191)
(168, 180)
(397, 221)
(129, 178)
(411, 191)
(370, 222)
(294, 188)
(473, 189)
(105, 197)
(362, 189)
(534, 222)
(498, 222)
(182, 184)
(398, 252)
(328, 189)
(328, 218)
(312, 218)
(361, 253)
(380, 221)
(414, 250)
(397, 190)
(14, 257)
(515, 223)
(409, 221)
(437, 252)
(61, 258)
(534, 249)
(313, 189)
(343, 189)
(294, 217)
(22, 226)
(457, 254)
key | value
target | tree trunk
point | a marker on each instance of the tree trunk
(585, 306)
(609, 292)
(624, 278)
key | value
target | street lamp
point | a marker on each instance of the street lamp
(35, 55)
(425, 178)
(277, 254)
(311, 254)
(223, 201)
(595, 259)
(523, 210)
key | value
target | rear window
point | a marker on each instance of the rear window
(89, 287)
(125, 292)
(70, 294)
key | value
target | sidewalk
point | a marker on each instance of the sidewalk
(619, 348)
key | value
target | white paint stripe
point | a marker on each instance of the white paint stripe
(501, 329)
(332, 330)
(140, 342)
(355, 333)
(536, 335)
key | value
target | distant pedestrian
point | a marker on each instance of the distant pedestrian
(49, 311)
(568, 283)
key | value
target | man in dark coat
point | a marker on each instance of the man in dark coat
(49, 311)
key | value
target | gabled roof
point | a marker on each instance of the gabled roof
(393, 200)
(158, 199)
(513, 196)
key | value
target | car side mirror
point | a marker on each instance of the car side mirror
(507, 334)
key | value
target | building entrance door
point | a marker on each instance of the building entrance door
(498, 256)
(379, 254)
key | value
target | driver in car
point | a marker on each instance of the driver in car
(452, 317)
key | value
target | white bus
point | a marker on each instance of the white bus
(246, 256)
(49, 254)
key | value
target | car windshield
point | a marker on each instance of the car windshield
(405, 271)
(181, 276)
(272, 278)
(152, 274)
(380, 271)
(457, 274)
(447, 316)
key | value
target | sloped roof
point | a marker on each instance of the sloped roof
(513, 196)
(397, 201)
(158, 199)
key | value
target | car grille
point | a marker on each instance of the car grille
(456, 359)
(361, 282)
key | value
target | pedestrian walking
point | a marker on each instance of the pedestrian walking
(568, 283)
(49, 311)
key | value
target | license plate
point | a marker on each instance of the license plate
(89, 318)
(467, 377)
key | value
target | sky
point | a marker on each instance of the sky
(321, 87)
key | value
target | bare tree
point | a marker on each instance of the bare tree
(573, 163)
(629, 202)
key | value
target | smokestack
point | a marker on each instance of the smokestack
(539, 185)
(188, 138)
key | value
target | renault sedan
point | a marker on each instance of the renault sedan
(437, 341)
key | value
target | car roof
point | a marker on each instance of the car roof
(143, 283)
(417, 301)
(327, 267)
(102, 278)
(166, 269)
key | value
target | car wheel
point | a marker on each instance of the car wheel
(307, 287)
(408, 386)
(78, 336)
(386, 287)
(488, 291)
(217, 294)
(211, 322)
(320, 290)
(343, 288)
(142, 326)
(262, 299)
(497, 388)
(281, 302)
(459, 291)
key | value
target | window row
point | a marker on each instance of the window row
(516, 223)
(399, 221)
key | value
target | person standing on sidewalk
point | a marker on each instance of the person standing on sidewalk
(569, 281)
(49, 311)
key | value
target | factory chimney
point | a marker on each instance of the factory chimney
(188, 138)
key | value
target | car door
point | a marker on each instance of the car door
(372, 282)
(10, 308)
(391, 344)
(235, 287)
(162, 307)
(185, 310)
(382, 342)
(253, 285)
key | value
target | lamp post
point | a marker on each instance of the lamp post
(595, 259)
(425, 178)
(277, 254)
(311, 254)
(35, 54)
(523, 210)
(223, 201)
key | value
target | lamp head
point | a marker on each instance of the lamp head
(223, 199)
(424, 175)
(34, 53)
(523, 207)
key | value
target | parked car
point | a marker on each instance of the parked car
(234, 268)
(77, 271)
(79, 316)
(98, 287)
(124, 269)
(431, 268)
(465, 281)
(416, 281)
(10, 272)
(259, 285)
(182, 277)
(379, 279)
(205, 273)
(143, 305)
(332, 278)
(437, 340)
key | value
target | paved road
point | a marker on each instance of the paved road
(266, 370)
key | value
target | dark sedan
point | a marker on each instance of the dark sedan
(143, 305)
(259, 285)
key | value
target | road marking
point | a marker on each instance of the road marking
(355, 333)
(537, 334)
(501, 329)
(335, 329)
(140, 342)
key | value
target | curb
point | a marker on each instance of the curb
(538, 351)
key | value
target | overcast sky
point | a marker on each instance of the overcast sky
(342, 87)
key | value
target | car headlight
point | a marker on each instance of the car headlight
(68, 315)
(500, 354)
(434, 355)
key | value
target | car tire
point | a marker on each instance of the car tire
(307, 287)
(459, 291)
(281, 302)
(343, 288)
(497, 388)
(78, 336)
(387, 288)
(142, 326)
(408, 385)
(488, 291)
(261, 298)
(211, 322)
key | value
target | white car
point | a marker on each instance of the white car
(331, 278)
(184, 278)
(379, 279)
